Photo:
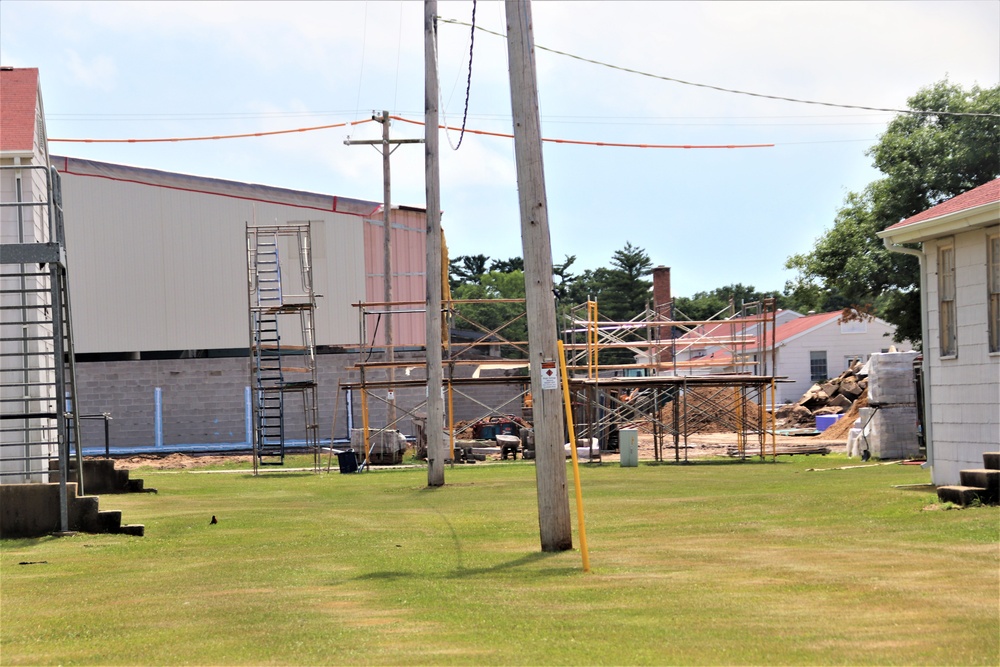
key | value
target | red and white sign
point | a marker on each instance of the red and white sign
(550, 375)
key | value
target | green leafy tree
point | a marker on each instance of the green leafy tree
(925, 158)
(705, 305)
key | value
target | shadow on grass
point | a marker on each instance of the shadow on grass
(716, 461)
(463, 572)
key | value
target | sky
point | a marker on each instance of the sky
(123, 70)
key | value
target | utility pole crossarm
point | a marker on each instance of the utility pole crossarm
(379, 142)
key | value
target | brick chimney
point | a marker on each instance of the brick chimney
(662, 301)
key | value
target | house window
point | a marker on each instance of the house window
(993, 285)
(946, 298)
(817, 366)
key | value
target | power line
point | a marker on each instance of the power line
(578, 142)
(403, 120)
(468, 82)
(210, 138)
(913, 112)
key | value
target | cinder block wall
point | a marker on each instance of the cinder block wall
(203, 401)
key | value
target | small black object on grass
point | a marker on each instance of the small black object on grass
(213, 521)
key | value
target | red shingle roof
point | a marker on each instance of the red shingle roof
(987, 193)
(804, 323)
(18, 99)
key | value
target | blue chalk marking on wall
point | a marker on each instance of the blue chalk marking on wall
(158, 416)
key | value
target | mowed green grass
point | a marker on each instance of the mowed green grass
(712, 563)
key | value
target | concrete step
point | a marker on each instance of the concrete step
(960, 495)
(136, 529)
(109, 521)
(991, 460)
(983, 478)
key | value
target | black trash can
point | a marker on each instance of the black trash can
(348, 461)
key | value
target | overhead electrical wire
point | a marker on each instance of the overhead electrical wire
(913, 112)
(578, 142)
(402, 120)
(468, 82)
(213, 137)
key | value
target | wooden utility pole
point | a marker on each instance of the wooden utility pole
(387, 150)
(435, 374)
(550, 458)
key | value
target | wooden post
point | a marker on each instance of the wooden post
(435, 374)
(387, 148)
(390, 351)
(550, 458)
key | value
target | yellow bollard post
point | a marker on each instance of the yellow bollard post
(451, 423)
(364, 422)
(576, 465)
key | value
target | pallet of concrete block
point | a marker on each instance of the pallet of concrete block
(892, 420)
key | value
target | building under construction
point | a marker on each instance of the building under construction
(621, 374)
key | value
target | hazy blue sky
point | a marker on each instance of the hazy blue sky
(147, 69)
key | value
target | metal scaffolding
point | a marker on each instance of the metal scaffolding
(650, 388)
(671, 397)
(38, 404)
(281, 317)
(464, 358)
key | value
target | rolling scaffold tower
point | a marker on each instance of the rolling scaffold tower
(282, 306)
(673, 375)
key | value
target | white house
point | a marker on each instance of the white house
(808, 348)
(959, 253)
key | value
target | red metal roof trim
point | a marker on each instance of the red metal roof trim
(18, 102)
(987, 193)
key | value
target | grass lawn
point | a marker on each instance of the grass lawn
(713, 563)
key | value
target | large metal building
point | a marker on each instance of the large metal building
(160, 295)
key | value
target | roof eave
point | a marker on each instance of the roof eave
(11, 154)
(984, 215)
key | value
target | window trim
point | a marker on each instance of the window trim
(947, 302)
(826, 365)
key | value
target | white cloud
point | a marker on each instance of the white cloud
(98, 72)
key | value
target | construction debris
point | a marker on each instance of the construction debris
(833, 397)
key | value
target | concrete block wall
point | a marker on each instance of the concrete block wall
(203, 401)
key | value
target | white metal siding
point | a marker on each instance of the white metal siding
(965, 389)
(158, 267)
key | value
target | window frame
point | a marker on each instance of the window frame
(813, 367)
(947, 306)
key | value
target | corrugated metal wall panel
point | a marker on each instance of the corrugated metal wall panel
(408, 282)
(159, 267)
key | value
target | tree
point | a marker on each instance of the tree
(625, 294)
(466, 269)
(507, 265)
(706, 305)
(925, 158)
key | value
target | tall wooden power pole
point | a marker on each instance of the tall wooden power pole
(550, 459)
(435, 374)
(387, 150)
